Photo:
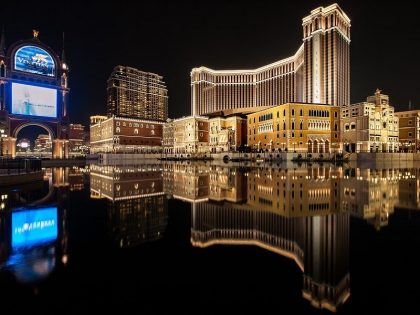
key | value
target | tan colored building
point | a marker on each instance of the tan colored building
(126, 135)
(370, 126)
(191, 136)
(319, 72)
(227, 134)
(409, 131)
(168, 137)
(96, 119)
(295, 127)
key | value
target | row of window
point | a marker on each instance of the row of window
(137, 125)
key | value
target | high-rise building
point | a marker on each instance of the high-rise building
(319, 72)
(136, 94)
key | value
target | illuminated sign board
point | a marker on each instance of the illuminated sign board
(34, 227)
(34, 59)
(33, 100)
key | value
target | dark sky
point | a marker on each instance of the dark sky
(172, 38)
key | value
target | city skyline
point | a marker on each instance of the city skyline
(256, 36)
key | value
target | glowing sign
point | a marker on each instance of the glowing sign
(34, 59)
(33, 100)
(34, 227)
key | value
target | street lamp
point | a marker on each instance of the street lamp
(1, 141)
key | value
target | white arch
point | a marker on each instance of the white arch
(48, 129)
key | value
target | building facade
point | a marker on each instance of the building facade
(319, 72)
(295, 127)
(409, 130)
(136, 94)
(43, 143)
(168, 137)
(370, 126)
(191, 136)
(126, 135)
(77, 145)
(227, 134)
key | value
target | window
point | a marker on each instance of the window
(118, 130)
(301, 125)
(284, 112)
(293, 112)
(301, 112)
(410, 134)
(152, 132)
(410, 122)
(277, 114)
(353, 126)
(136, 131)
(293, 125)
(335, 114)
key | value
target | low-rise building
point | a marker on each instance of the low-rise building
(168, 137)
(409, 130)
(76, 140)
(295, 127)
(43, 143)
(191, 136)
(126, 135)
(227, 134)
(370, 126)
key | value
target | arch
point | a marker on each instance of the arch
(327, 146)
(321, 146)
(315, 150)
(38, 124)
(310, 146)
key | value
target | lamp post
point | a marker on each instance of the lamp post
(1, 141)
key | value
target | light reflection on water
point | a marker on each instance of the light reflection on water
(301, 213)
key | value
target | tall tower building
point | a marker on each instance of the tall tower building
(326, 40)
(136, 94)
(319, 72)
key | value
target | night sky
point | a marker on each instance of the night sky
(172, 38)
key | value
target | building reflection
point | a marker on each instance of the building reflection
(136, 203)
(294, 213)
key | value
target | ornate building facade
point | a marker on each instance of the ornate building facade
(294, 127)
(370, 126)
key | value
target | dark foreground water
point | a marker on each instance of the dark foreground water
(208, 239)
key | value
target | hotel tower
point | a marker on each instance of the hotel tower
(319, 72)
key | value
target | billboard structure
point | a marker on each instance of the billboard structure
(33, 91)
(33, 100)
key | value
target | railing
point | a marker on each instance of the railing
(16, 166)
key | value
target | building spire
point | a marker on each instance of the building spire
(63, 57)
(3, 43)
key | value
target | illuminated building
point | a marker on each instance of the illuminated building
(77, 144)
(136, 94)
(370, 126)
(168, 136)
(191, 136)
(43, 143)
(319, 72)
(126, 135)
(96, 119)
(137, 205)
(295, 127)
(409, 132)
(33, 92)
(227, 134)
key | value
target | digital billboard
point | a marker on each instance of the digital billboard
(34, 227)
(33, 100)
(34, 59)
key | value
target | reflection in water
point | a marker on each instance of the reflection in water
(302, 214)
(33, 231)
(137, 205)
